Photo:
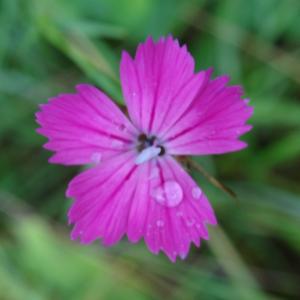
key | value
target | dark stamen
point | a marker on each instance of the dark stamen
(142, 137)
(140, 147)
(145, 141)
(162, 150)
(151, 140)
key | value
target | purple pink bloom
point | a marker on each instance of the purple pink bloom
(135, 186)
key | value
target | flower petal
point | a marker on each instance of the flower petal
(159, 83)
(116, 198)
(85, 127)
(102, 195)
(172, 229)
(213, 123)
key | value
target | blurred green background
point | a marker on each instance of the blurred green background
(48, 46)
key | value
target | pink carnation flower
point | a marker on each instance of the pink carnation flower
(135, 185)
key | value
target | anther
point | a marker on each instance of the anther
(142, 137)
(162, 150)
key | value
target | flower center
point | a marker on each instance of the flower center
(148, 148)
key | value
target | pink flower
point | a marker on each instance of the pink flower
(135, 185)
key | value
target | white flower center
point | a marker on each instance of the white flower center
(147, 154)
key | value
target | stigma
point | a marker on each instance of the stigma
(147, 154)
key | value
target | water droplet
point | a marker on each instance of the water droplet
(190, 223)
(121, 127)
(154, 173)
(158, 195)
(179, 214)
(96, 157)
(117, 143)
(160, 223)
(196, 192)
(170, 194)
(173, 192)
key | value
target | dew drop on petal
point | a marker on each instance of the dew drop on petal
(173, 193)
(160, 223)
(179, 214)
(117, 143)
(96, 157)
(159, 195)
(196, 192)
(190, 223)
(121, 127)
(154, 173)
(170, 194)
